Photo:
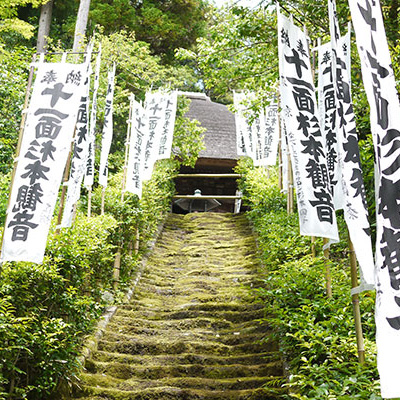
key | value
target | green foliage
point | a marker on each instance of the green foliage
(239, 37)
(316, 334)
(9, 22)
(165, 26)
(46, 309)
(13, 81)
(188, 135)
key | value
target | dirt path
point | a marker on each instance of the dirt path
(192, 330)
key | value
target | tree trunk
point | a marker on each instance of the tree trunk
(81, 23)
(44, 26)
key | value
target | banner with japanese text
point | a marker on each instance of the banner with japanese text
(155, 105)
(380, 86)
(79, 155)
(138, 140)
(245, 131)
(269, 149)
(168, 125)
(351, 179)
(89, 173)
(45, 146)
(299, 112)
(240, 123)
(107, 134)
(284, 159)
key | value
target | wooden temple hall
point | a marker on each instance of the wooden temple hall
(211, 184)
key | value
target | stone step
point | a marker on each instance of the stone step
(138, 306)
(178, 346)
(128, 371)
(225, 338)
(189, 323)
(102, 384)
(186, 358)
(233, 316)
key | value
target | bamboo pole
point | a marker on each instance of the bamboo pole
(20, 135)
(117, 268)
(313, 247)
(356, 304)
(280, 159)
(328, 276)
(137, 241)
(89, 207)
(290, 196)
(103, 196)
(127, 143)
(64, 188)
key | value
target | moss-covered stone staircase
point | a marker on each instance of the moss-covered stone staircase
(193, 329)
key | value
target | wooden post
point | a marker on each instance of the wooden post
(356, 304)
(89, 206)
(64, 188)
(103, 196)
(117, 268)
(280, 159)
(137, 241)
(290, 195)
(127, 142)
(328, 276)
(313, 248)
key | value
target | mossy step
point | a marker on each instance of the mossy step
(128, 327)
(186, 358)
(105, 382)
(127, 371)
(239, 297)
(139, 305)
(149, 346)
(183, 394)
(189, 323)
(208, 336)
(234, 316)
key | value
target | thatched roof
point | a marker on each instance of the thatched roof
(220, 137)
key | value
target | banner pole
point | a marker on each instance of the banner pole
(103, 196)
(328, 276)
(127, 145)
(20, 135)
(355, 299)
(290, 196)
(137, 241)
(89, 207)
(280, 160)
(313, 247)
(65, 181)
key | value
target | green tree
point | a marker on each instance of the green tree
(9, 21)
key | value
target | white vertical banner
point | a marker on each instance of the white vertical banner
(355, 202)
(327, 105)
(45, 146)
(107, 129)
(167, 133)
(155, 107)
(239, 123)
(271, 135)
(138, 140)
(285, 156)
(257, 130)
(79, 154)
(299, 111)
(380, 86)
(89, 173)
